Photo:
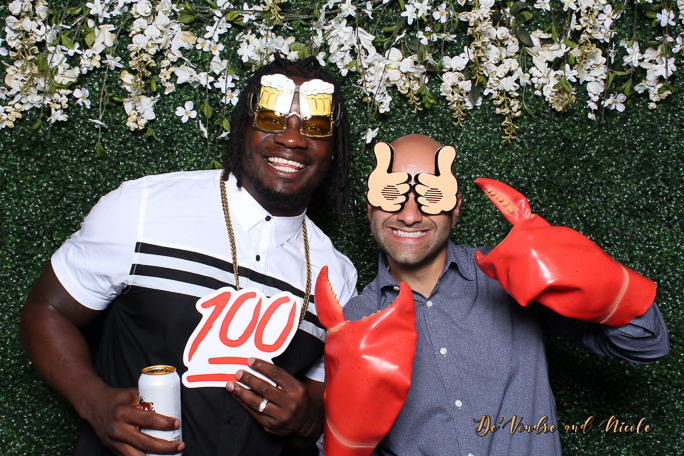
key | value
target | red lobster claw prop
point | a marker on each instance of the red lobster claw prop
(559, 267)
(368, 367)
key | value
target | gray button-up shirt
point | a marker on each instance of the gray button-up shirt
(480, 360)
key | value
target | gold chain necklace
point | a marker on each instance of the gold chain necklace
(233, 249)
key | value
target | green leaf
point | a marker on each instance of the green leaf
(303, 54)
(611, 76)
(554, 33)
(186, 18)
(213, 5)
(571, 58)
(390, 29)
(496, 17)
(99, 150)
(559, 84)
(517, 7)
(225, 124)
(620, 73)
(76, 10)
(482, 80)
(53, 87)
(150, 134)
(524, 36)
(566, 85)
(651, 14)
(41, 63)
(90, 38)
(475, 93)
(67, 42)
(153, 85)
(232, 15)
(119, 99)
(438, 27)
(215, 164)
(316, 13)
(528, 15)
(401, 3)
(520, 19)
(628, 88)
(297, 46)
(34, 128)
(188, 8)
(569, 43)
(207, 110)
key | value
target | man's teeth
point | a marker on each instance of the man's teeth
(292, 166)
(409, 234)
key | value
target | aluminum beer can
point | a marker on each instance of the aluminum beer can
(159, 390)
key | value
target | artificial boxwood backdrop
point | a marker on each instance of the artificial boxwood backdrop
(618, 180)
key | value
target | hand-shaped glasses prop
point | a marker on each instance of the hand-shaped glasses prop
(275, 100)
(435, 193)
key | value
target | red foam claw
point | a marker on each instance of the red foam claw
(560, 268)
(368, 366)
(510, 202)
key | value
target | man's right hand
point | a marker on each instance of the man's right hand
(50, 332)
(117, 420)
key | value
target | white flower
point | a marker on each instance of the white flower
(441, 14)
(15, 7)
(143, 8)
(665, 17)
(633, 56)
(347, 9)
(615, 102)
(98, 9)
(98, 124)
(82, 97)
(370, 134)
(186, 112)
(410, 13)
(203, 129)
(113, 62)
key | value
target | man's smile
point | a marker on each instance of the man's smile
(284, 165)
(408, 234)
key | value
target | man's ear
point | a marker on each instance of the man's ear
(457, 210)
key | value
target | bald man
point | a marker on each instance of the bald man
(480, 367)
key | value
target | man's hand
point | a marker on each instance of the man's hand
(289, 410)
(49, 330)
(436, 193)
(117, 420)
(386, 189)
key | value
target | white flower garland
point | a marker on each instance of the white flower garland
(50, 53)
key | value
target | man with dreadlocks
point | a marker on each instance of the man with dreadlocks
(171, 258)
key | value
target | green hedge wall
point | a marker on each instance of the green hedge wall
(618, 180)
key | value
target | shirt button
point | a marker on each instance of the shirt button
(396, 288)
(443, 350)
(458, 403)
(268, 218)
(258, 258)
(429, 303)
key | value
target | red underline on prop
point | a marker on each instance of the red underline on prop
(228, 360)
(212, 378)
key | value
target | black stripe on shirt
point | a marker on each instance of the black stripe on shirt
(209, 282)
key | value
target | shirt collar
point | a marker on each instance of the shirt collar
(249, 213)
(456, 255)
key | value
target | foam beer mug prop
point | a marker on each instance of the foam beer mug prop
(368, 366)
(559, 267)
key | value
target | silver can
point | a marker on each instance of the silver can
(159, 390)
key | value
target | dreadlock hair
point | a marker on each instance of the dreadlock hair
(335, 187)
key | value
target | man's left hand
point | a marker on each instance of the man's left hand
(289, 409)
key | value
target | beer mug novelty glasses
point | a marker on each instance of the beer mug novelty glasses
(275, 100)
(435, 193)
